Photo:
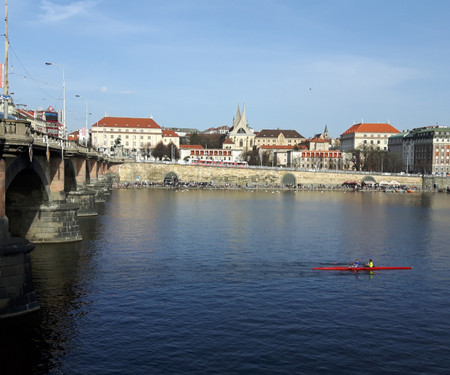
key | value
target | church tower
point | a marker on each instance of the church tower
(325, 132)
(240, 134)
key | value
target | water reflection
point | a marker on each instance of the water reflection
(62, 275)
(153, 260)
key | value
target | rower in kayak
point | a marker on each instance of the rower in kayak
(370, 264)
(355, 263)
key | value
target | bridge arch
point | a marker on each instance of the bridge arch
(23, 164)
(26, 190)
(171, 178)
(289, 179)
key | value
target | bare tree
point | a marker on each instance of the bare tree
(159, 151)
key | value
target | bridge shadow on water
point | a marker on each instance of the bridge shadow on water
(36, 342)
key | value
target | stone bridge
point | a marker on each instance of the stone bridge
(46, 183)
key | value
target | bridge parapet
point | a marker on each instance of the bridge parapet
(37, 174)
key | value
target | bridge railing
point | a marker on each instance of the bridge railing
(21, 132)
(14, 128)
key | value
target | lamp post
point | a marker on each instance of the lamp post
(86, 123)
(64, 98)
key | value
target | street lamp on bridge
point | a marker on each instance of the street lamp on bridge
(86, 134)
(64, 98)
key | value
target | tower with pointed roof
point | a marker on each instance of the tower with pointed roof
(323, 135)
(240, 134)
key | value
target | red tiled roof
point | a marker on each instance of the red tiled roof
(276, 147)
(126, 122)
(371, 128)
(74, 136)
(195, 147)
(228, 141)
(318, 140)
(169, 133)
(274, 133)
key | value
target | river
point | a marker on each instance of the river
(221, 282)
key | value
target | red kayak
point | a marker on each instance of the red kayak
(356, 269)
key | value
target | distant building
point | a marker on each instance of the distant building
(44, 121)
(373, 135)
(197, 152)
(240, 134)
(169, 136)
(278, 155)
(219, 130)
(317, 144)
(278, 137)
(186, 150)
(74, 136)
(396, 144)
(323, 135)
(424, 150)
(228, 144)
(301, 157)
(317, 159)
(134, 133)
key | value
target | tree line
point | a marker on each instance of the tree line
(368, 159)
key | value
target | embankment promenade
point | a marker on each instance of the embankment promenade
(263, 177)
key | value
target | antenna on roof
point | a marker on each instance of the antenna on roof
(362, 121)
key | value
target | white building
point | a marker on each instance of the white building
(197, 152)
(373, 135)
(241, 135)
(134, 133)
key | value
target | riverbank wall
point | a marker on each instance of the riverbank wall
(234, 176)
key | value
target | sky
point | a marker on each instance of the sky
(295, 64)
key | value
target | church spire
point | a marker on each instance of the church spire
(244, 119)
(238, 116)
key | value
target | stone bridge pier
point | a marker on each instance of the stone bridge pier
(45, 185)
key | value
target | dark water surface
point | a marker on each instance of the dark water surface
(220, 282)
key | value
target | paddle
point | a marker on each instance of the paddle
(335, 264)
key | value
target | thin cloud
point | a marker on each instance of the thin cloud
(52, 12)
(361, 73)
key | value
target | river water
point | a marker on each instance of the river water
(220, 282)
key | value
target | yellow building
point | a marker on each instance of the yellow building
(278, 137)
